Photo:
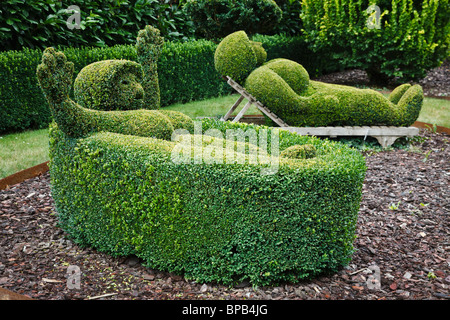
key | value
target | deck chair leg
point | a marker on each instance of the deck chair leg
(235, 105)
(242, 112)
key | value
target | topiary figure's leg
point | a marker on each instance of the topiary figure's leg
(148, 48)
(409, 106)
(55, 78)
(398, 92)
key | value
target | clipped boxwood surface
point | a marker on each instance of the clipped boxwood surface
(123, 195)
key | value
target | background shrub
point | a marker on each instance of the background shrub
(40, 24)
(185, 69)
(413, 37)
(215, 19)
(290, 23)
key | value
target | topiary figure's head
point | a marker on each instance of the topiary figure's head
(236, 56)
(110, 85)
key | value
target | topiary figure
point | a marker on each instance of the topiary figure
(112, 95)
(55, 78)
(149, 45)
(285, 88)
(121, 84)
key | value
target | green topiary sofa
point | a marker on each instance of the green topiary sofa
(118, 189)
(285, 88)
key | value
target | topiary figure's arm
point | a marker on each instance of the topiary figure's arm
(55, 75)
(55, 78)
(148, 48)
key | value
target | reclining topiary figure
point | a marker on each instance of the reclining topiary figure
(285, 88)
(111, 94)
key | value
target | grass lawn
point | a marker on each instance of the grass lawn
(215, 107)
(435, 111)
(23, 150)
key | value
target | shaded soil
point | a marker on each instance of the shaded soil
(403, 231)
(436, 83)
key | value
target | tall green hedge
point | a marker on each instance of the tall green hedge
(410, 38)
(123, 195)
(185, 69)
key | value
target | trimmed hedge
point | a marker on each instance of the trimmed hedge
(186, 72)
(123, 195)
(118, 187)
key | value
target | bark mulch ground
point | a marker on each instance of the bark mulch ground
(403, 232)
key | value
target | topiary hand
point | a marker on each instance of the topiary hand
(148, 48)
(149, 44)
(55, 75)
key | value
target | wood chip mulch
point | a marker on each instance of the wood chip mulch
(402, 233)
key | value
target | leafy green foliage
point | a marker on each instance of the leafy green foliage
(290, 23)
(123, 195)
(413, 36)
(186, 72)
(39, 24)
(214, 19)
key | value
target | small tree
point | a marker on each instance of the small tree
(392, 39)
